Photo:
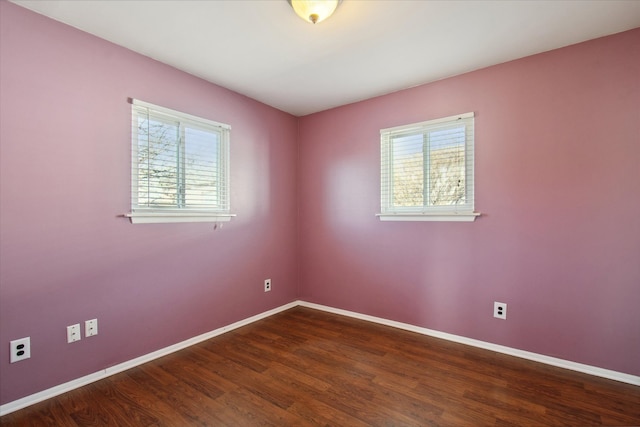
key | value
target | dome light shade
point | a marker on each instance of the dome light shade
(314, 11)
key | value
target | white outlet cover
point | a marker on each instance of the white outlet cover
(91, 327)
(500, 310)
(73, 333)
(20, 349)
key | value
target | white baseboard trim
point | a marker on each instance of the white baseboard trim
(548, 360)
(88, 379)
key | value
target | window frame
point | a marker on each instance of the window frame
(461, 212)
(156, 214)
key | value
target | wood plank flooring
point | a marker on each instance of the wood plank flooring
(306, 367)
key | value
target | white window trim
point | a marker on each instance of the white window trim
(173, 217)
(445, 216)
(140, 215)
(434, 213)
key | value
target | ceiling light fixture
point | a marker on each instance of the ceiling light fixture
(314, 11)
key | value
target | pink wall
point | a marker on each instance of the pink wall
(557, 154)
(557, 181)
(67, 257)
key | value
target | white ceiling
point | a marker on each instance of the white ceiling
(261, 49)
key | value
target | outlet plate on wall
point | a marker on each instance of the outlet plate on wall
(500, 310)
(267, 285)
(73, 333)
(91, 327)
(20, 349)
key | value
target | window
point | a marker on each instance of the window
(180, 167)
(427, 171)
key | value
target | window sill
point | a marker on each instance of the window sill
(444, 216)
(173, 217)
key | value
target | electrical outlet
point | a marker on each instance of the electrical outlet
(500, 310)
(73, 333)
(20, 349)
(91, 327)
(267, 285)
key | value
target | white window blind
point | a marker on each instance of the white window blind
(427, 170)
(180, 166)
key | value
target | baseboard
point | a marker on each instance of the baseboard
(88, 379)
(548, 360)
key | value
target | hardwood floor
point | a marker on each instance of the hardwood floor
(306, 367)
